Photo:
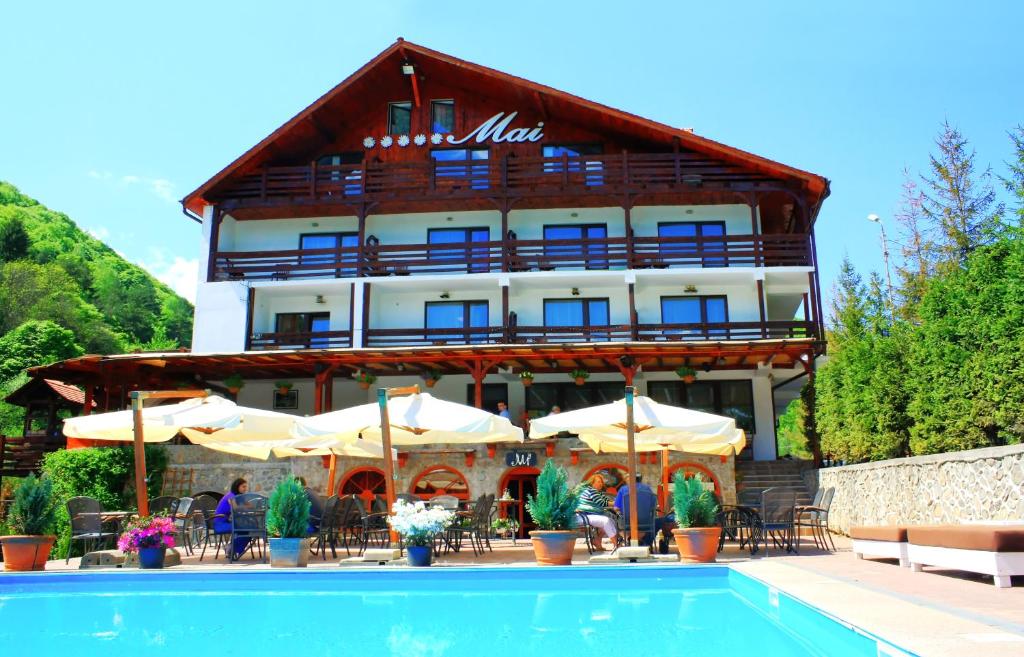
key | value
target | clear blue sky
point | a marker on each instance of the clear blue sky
(111, 112)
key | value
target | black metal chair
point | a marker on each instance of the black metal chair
(204, 513)
(815, 518)
(777, 519)
(216, 495)
(329, 529)
(86, 516)
(316, 509)
(373, 526)
(474, 525)
(408, 498)
(249, 521)
(165, 505)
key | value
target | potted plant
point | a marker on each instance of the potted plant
(505, 527)
(150, 536)
(553, 510)
(687, 374)
(284, 387)
(431, 377)
(418, 525)
(234, 383)
(32, 516)
(288, 525)
(365, 380)
(697, 533)
(580, 376)
(526, 377)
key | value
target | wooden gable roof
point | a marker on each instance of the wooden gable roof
(319, 122)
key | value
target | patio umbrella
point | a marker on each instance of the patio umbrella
(639, 423)
(412, 419)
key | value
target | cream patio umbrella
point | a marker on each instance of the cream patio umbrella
(414, 418)
(638, 423)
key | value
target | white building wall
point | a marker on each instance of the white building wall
(267, 307)
(645, 219)
(220, 318)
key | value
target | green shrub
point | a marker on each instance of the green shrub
(104, 473)
(288, 516)
(694, 504)
(32, 511)
(554, 507)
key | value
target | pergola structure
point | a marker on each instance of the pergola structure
(109, 379)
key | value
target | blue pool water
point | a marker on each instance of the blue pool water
(570, 612)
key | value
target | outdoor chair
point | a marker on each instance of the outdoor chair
(647, 512)
(738, 524)
(776, 519)
(373, 527)
(249, 521)
(204, 512)
(183, 523)
(86, 516)
(165, 505)
(348, 522)
(408, 498)
(473, 525)
(316, 509)
(216, 495)
(815, 517)
(328, 529)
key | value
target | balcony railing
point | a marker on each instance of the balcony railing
(414, 337)
(308, 340)
(510, 177)
(515, 255)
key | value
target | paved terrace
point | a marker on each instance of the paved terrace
(941, 613)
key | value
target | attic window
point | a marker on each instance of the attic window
(399, 117)
(442, 116)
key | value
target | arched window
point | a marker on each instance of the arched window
(696, 470)
(614, 476)
(440, 480)
(365, 482)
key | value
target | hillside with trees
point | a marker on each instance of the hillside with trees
(936, 363)
(64, 293)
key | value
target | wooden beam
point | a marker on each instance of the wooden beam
(211, 263)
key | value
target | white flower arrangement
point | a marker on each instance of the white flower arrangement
(436, 138)
(419, 139)
(417, 524)
(369, 142)
(403, 140)
(386, 141)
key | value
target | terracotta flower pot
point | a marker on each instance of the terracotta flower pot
(23, 553)
(553, 548)
(697, 544)
(430, 382)
(364, 385)
(527, 383)
(234, 391)
(689, 378)
(580, 380)
(283, 391)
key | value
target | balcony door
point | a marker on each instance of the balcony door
(344, 172)
(576, 154)
(565, 242)
(706, 230)
(333, 241)
(455, 321)
(300, 325)
(468, 163)
(695, 310)
(475, 258)
(584, 314)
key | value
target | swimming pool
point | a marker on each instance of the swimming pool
(457, 612)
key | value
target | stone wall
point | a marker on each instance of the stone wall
(192, 468)
(974, 485)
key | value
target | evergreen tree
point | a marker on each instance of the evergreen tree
(916, 248)
(14, 241)
(959, 203)
(1014, 183)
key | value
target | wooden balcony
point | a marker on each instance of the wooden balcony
(308, 340)
(787, 250)
(418, 337)
(509, 177)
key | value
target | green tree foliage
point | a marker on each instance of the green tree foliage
(35, 343)
(103, 473)
(288, 515)
(791, 434)
(916, 249)
(1014, 183)
(554, 506)
(33, 512)
(13, 240)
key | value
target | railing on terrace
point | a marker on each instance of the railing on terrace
(507, 177)
(515, 255)
(307, 340)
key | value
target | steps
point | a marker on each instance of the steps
(752, 477)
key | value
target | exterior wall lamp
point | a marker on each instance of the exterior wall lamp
(408, 68)
(446, 295)
(575, 291)
(320, 299)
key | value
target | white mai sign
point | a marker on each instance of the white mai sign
(495, 128)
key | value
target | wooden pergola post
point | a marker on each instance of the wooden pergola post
(139, 398)
(634, 537)
(383, 394)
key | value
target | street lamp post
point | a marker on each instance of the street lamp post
(874, 218)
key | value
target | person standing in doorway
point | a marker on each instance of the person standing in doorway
(503, 410)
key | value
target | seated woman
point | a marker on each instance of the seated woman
(222, 521)
(594, 505)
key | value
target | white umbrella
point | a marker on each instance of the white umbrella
(417, 419)
(641, 424)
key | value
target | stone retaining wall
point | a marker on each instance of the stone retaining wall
(979, 484)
